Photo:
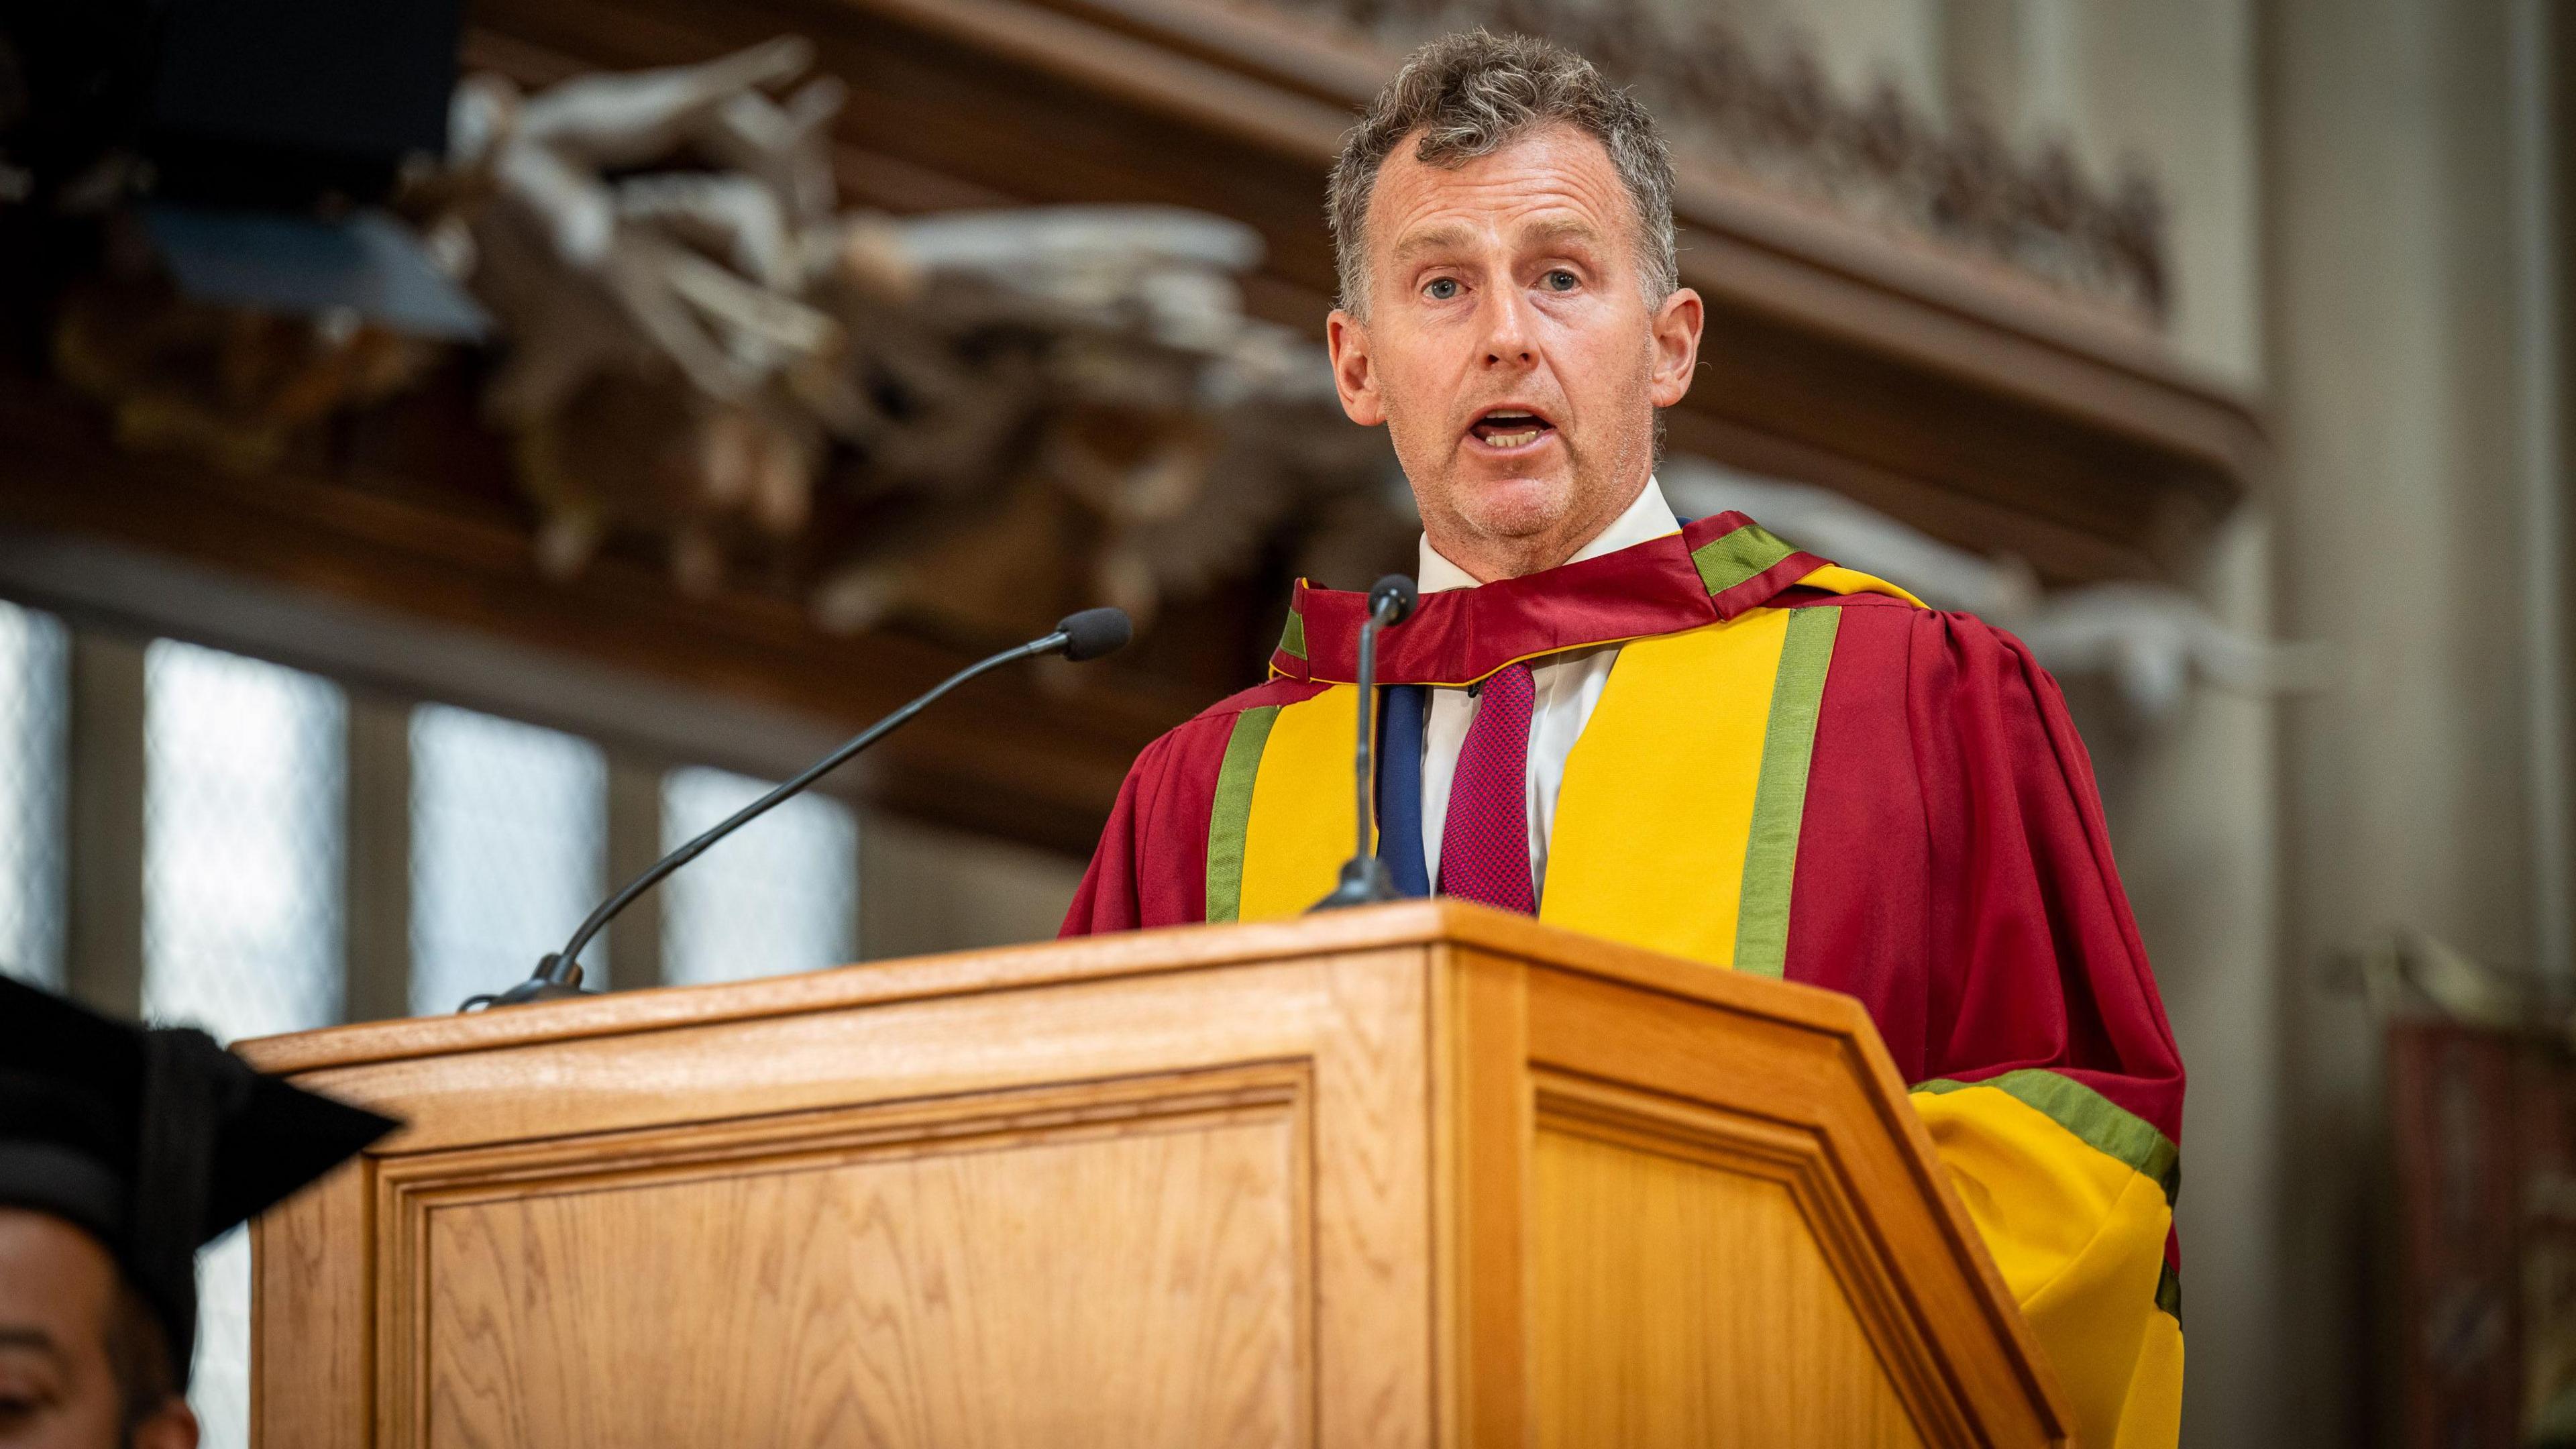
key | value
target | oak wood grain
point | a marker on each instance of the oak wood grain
(1485, 1122)
(1399, 925)
(1801, 1191)
(1680, 1304)
(1373, 1201)
(1047, 1276)
(312, 1382)
(1410, 1175)
(1837, 1088)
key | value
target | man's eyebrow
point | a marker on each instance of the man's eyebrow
(20, 1336)
(1430, 239)
(1564, 229)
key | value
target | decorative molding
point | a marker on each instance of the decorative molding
(1261, 1136)
(1799, 1159)
(722, 1167)
(1773, 114)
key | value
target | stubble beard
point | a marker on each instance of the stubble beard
(1541, 542)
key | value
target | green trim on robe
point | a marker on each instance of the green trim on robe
(2095, 1120)
(1780, 799)
(1230, 819)
(1733, 557)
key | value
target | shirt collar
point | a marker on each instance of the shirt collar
(1649, 517)
(1711, 569)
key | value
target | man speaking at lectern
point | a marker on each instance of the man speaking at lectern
(1688, 736)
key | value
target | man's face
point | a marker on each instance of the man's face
(1510, 349)
(58, 1387)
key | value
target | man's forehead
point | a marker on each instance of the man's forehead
(51, 1273)
(1550, 183)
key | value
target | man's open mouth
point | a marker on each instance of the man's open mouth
(1507, 428)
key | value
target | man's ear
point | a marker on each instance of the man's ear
(172, 1426)
(1676, 329)
(1346, 338)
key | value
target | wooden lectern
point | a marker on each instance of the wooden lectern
(1420, 1174)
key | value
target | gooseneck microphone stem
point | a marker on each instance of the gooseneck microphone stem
(654, 874)
(1086, 635)
(1363, 771)
(1365, 880)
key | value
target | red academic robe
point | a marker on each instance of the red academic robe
(1798, 770)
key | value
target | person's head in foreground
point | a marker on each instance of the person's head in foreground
(121, 1152)
(1511, 305)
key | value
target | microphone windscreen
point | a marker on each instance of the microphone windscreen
(1394, 589)
(1095, 632)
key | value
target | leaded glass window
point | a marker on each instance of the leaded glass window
(243, 772)
(34, 684)
(509, 851)
(243, 833)
(781, 894)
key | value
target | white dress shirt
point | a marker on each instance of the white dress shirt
(1567, 685)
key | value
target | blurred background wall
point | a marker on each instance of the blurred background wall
(2216, 345)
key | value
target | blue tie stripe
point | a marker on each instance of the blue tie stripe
(1399, 787)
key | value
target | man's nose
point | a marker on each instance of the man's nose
(1507, 331)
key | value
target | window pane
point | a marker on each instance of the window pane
(779, 895)
(219, 1389)
(509, 846)
(34, 679)
(243, 766)
(244, 770)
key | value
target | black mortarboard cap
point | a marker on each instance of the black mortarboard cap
(154, 1141)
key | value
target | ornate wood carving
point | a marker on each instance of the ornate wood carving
(1960, 394)
(1778, 118)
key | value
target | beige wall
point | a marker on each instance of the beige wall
(926, 889)
(2194, 815)
(2346, 241)
(2396, 305)
(2173, 82)
(2342, 178)
(2194, 804)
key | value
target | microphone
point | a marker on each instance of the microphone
(1086, 635)
(1364, 878)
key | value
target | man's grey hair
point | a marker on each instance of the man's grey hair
(1470, 95)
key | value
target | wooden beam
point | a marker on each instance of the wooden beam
(378, 894)
(1029, 756)
(103, 942)
(634, 842)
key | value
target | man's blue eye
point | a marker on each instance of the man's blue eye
(1442, 289)
(1560, 280)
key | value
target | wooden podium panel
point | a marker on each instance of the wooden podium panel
(979, 1276)
(1686, 1303)
(1421, 1174)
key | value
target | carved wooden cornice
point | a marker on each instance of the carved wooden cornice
(1984, 404)
(1775, 116)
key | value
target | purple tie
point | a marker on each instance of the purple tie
(1484, 845)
